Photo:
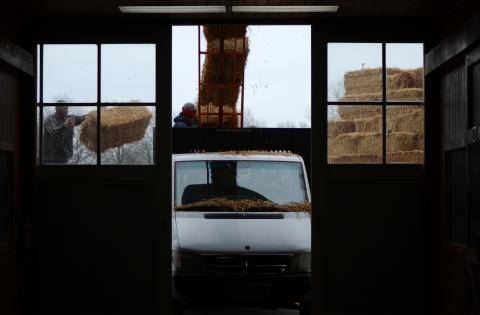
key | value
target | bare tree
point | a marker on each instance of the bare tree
(81, 155)
(251, 122)
(336, 90)
(136, 153)
(286, 124)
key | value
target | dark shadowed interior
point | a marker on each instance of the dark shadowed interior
(387, 236)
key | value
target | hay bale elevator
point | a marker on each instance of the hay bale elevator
(220, 99)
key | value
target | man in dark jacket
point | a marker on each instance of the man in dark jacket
(187, 118)
(58, 136)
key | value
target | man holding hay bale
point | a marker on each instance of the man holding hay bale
(58, 135)
(187, 118)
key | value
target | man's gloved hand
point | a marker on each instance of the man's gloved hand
(69, 123)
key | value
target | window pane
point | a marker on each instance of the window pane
(354, 72)
(276, 86)
(404, 72)
(354, 134)
(67, 138)
(128, 73)
(127, 135)
(405, 134)
(70, 73)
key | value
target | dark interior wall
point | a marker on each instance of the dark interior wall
(101, 246)
(449, 68)
(376, 254)
(454, 284)
(371, 224)
(9, 111)
(9, 104)
(453, 14)
(101, 236)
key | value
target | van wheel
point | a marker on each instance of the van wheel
(304, 308)
(177, 307)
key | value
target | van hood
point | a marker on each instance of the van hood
(251, 232)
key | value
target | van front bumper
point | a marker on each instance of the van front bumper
(278, 290)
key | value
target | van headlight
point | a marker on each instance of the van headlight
(301, 263)
(187, 262)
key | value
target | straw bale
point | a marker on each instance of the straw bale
(407, 94)
(363, 81)
(405, 80)
(212, 32)
(355, 159)
(394, 111)
(220, 69)
(229, 45)
(410, 94)
(336, 127)
(373, 124)
(359, 111)
(244, 205)
(368, 82)
(411, 157)
(362, 97)
(355, 143)
(363, 125)
(118, 126)
(411, 121)
(88, 131)
(404, 141)
(212, 120)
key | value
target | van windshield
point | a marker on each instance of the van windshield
(266, 182)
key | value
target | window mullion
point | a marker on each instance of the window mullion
(99, 98)
(384, 104)
(40, 108)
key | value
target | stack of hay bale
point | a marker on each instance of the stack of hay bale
(222, 74)
(355, 136)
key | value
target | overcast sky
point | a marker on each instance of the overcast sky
(277, 75)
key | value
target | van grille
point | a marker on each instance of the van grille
(247, 264)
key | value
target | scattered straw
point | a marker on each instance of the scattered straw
(245, 205)
(256, 152)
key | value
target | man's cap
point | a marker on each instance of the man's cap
(189, 109)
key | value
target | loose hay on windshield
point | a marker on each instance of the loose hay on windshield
(245, 205)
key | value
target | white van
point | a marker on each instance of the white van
(259, 257)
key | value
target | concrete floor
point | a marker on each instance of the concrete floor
(240, 311)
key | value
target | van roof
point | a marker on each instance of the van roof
(239, 155)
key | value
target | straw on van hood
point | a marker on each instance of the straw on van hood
(245, 205)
